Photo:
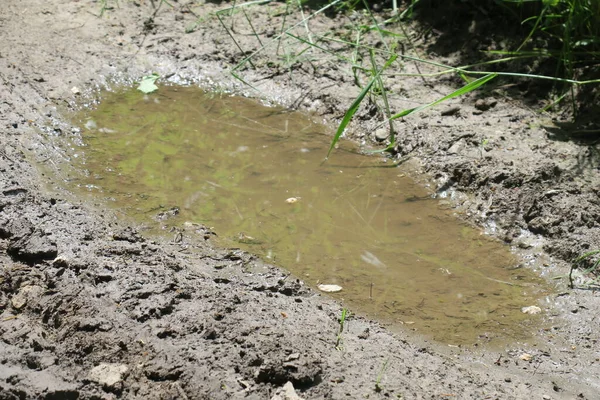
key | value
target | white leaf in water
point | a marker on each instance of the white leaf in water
(370, 258)
(531, 310)
(147, 84)
(329, 288)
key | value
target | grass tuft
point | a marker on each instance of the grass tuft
(368, 46)
(593, 261)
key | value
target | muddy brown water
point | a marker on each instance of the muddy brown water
(256, 175)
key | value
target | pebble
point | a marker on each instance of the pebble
(453, 110)
(29, 291)
(381, 134)
(525, 357)
(531, 310)
(108, 374)
(287, 392)
(486, 104)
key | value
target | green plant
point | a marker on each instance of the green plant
(104, 7)
(593, 266)
(378, 387)
(343, 318)
(374, 89)
(373, 52)
(571, 30)
(356, 104)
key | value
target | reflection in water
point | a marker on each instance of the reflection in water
(256, 175)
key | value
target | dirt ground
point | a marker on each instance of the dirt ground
(90, 309)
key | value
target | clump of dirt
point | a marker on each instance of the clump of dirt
(92, 309)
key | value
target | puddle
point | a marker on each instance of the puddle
(255, 175)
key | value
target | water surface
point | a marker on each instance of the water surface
(256, 175)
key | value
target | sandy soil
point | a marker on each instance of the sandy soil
(90, 309)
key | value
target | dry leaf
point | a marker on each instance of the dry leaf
(525, 357)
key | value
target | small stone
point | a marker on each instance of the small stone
(75, 90)
(524, 245)
(329, 288)
(287, 392)
(19, 302)
(452, 110)
(486, 104)
(20, 299)
(108, 374)
(525, 357)
(293, 356)
(292, 200)
(531, 310)
(61, 262)
(381, 134)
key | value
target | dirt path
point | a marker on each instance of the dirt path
(89, 309)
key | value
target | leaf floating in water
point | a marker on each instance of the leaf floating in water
(370, 258)
(329, 288)
(531, 310)
(147, 84)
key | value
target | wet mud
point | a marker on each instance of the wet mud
(90, 308)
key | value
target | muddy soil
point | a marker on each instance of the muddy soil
(92, 309)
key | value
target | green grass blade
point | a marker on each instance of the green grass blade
(356, 104)
(384, 97)
(463, 90)
(323, 49)
(231, 36)
(277, 38)
(239, 78)
(349, 114)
